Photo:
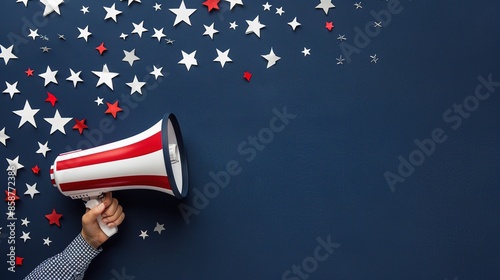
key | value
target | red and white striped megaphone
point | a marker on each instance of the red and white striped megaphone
(154, 160)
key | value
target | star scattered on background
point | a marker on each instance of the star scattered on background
(234, 2)
(54, 218)
(279, 11)
(156, 72)
(84, 9)
(139, 29)
(358, 5)
(182, 14)
(51, 6)
(19, 261)
(271, 58)
(267, 6)
(123, 36)
(144, 234)
(131, 1)
(11, 89)
(135, 86)
(211, 4)
(306, 51)
(6, 53)
(99, 101)
(57, 123)
(101, 48)
(80, 125)
(15, 163)
(340, 60)
(188, 59)
(326, 5)
(374, 58)
(169, 41)
(46, 241)
(49, 76)
(294, 23)
(52, 99)
(25, 222)
(84, 33)
(159, 228)
(27, 114)
(31, 190)
(130, 57)
(43, 148)
(233, 25)
(25, 2)
(210, 30)
(44, 37)
(105, 77)
(158, 34)
(25, 236)
(113, 109)
(377, 24)
(45, 49)
(10, 214)
(61, 36)
(157, 6)
(247, 75)
(11, 196)
(111, 12)
(3, 137)
(29, 72)
(222, 57)
(33, 34)
(35, 169)
(341, 38)
(329, 25)
(254, 26)
(74, 77)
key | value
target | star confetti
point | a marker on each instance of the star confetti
(113, 109)
(54, 218)
(11, 196)
(35, 169)
(329, 25)
(247, 75)
(80, 125)
(182, 14)
(57, 122)
(27, 114)
(212, 4)
(29, 72)
(52, 99)
(101, 48)
(31, 191)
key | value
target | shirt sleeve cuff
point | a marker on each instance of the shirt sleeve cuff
(82, 252)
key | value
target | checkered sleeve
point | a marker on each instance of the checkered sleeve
(69, 264)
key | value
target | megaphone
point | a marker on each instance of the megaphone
(154, 160)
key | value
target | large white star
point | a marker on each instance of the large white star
(111, 12)
(6, 53)
(3, 137)
(14, 163)
(49, 76)
(130, 57)
(75, 77)
(27, 114)
(57, 122)
(182, 14)
(11, 89)
(254, 26)
(136, 86)
(325, 5)
(105, 77)
(139, 28)
(188, 59)
(271, 58)
(43, 148)
(51, 6)
(222, 57)
(158, 34)
(31, 190)
(234, 2)
(84, 33)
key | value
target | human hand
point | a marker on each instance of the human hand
(112, 215)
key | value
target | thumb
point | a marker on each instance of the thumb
(93, 213)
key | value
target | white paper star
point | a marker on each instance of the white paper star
(188, 59)
(6, 53)
(325, 5)
(25, 2)
(43, 148)
(57, 123)
(233, 25)
(280, 11)
(234, 2)
(15, 163)
(374, 58)
(46, 241)
(340, 60)
(99, 101)
(182, 14)
(130, 1)
(222, 57)
(267, 7)
(157, 6)
(33, 34)
(49, 76)
(123, 36)
(139, 29)
(130, 57)
(158, 34)
(11, 89)
(156, 72)
(25, 236)
(105, 77)
(159, 228)
(27, 114)
(74, 77)
(31, 190)
(25, 222)
(111, 12)
(254, 26)
(84, 9)
(136, 86)
(3, 137)
(294, 23)
(271, 58)
(144, 234)
(210, 30)
(306, 51)
(51, 6)
(84, 33)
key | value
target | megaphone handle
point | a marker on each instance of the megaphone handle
(109, 231)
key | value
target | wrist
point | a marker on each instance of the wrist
(91, 241)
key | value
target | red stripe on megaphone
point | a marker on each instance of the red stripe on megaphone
(124, 181)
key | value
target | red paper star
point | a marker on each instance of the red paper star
(212, 4)
(29, 72)
(35, 169)
(51, 98)
(8, 196)
(101, 48)
(247, 75)
(19, 261)
(80, 125)
(54, 218)
(329, 25)
(113, 109)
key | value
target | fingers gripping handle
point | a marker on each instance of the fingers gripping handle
(109, 231)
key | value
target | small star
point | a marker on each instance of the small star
(222, 57)
(84, 9)
(84, 33)
(52, 99)
(11, 194)
(101, 48)
(188, 59)
(247, 76)
(340, 60)
(267, 7)
(130, 57)
(43, 148)
(169, 41)
(11, 89)
(19, 260)
(99, 101)
(159, 228)
(374, 58)
(111, 12)
(54, 218)
(329, 25)
(139, 29)
(378, 24)
(144, 234)
(31, 191)
(3, 137)
(44, 37)
(306, 51)
(80, 125)
(25, 236)
(271, 58)
(45, 49)
(294, 23)
(341, 38)
(33, 33)
(135, 86)
(210, 31)
(211, 4)
(158, 34)
(57, 123)
(25, 222)
(61, 36)
(358, 5)
(280, 11)
(233, 25)
(123, 36)
(156, 72)
(157, 6)
(35, 169)
(74, 77)
(29, 72)
(254, 26)
(113, 109)
(46, 241)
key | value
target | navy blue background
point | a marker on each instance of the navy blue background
(322, 177)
